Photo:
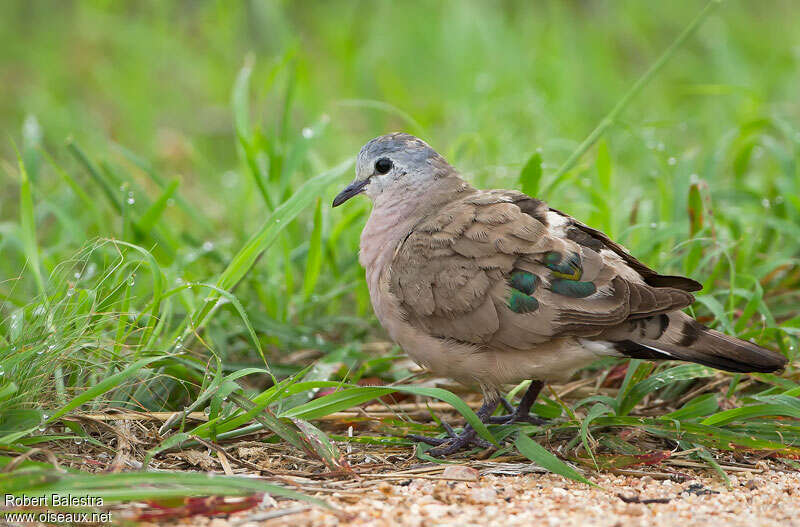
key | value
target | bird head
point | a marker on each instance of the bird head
(395, 162)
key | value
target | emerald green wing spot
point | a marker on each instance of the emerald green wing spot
(572, 288)
(519, 302)
(568, 268)
(551, 258)
(523, 281)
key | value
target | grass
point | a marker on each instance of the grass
(167, 244)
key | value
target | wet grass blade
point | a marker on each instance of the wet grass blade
(266, 235)
(609, 119)
(109, 383)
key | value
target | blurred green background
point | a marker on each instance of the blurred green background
(699, 175)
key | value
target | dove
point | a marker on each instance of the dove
(494, 287)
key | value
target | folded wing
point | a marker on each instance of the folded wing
(502, 269)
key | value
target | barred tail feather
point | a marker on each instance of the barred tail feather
(676, 336)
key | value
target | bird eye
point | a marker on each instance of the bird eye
(383, 165)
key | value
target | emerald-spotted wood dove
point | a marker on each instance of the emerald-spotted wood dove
(491, 287)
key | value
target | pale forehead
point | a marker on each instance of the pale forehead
(412, 148)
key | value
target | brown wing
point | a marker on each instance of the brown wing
(585, 235)
(493, 269)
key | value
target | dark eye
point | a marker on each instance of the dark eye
(383, 165)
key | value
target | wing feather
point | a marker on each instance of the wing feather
(452, 275)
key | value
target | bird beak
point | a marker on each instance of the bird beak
(354, 188)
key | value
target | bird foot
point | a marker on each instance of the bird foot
(453, 443)
(514, 418)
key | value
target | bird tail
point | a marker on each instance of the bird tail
(677, 336)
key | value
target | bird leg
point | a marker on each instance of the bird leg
(522, 413)
(455, 442)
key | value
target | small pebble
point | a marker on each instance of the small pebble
(461, 472)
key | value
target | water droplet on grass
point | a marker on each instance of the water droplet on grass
(671, 161)
(765, 203)
(229, 179)
(31, 129)
(308, 133)
(207, 246)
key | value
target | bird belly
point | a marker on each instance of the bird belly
(479, 365)
(556, 360)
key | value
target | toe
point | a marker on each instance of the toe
(434, 441)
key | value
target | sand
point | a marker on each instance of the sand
(771, 497)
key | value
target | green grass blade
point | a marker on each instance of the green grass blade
(542, 457)
(266, 235)
(153, 214)
(350, 397)
(100, 177)
(615, 112)
(137, 486)
(107, 384)
(314, 259)
(531, 175)
(28, 224)
(660, 380)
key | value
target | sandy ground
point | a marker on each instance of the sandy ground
(754, 499)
